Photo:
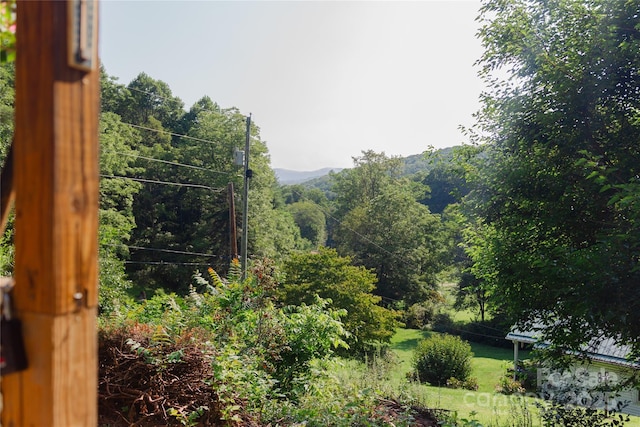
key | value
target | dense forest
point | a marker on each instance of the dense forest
(535, 221)
(165, 200)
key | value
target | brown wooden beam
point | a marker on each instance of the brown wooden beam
(56, 205)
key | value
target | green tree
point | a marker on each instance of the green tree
(477, 282)
(330, 276)
(371, 173)
(117, 160)
(556, 196)
(185, 164)
(298, 193)
(190, 119)
(272, 232)
(113, 95)
(380, 224)
(147, 98)
(184, 213)
(472, 293)
(311, 221)
(183, 209)
(446, 182)
(7, 95)
(399, 239)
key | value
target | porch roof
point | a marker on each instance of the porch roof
(605, 350)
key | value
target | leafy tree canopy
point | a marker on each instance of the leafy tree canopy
(311, 220)
(385, 229)
(400, 240)
(330, 276)
(557, 195)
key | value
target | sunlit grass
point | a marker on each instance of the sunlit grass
(447, 290)
(485, 405)
(403, 344)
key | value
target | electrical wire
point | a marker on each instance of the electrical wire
(167, 263)
(326, 212)
(155, 94)
(151, 181)
(151, 159)
(172, 251)
(179, 135)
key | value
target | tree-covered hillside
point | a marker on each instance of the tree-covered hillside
(165, 201)
(536, 223)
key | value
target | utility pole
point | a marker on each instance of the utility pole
(248, 173)
(233, 236)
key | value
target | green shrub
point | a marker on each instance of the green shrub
(332, 277)
(470, 383)
(418, 316)
(442, 322)
(441, 357)
(309, 332)
(508, 385)
(526, 373)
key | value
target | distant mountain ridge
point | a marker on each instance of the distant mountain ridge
(415, 163)
(288, 177)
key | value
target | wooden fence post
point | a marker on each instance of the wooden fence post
(56, 185)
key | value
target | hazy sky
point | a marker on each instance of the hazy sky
(324, 80)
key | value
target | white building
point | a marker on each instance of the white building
(587, 383)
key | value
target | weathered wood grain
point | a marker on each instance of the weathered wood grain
(56, 204)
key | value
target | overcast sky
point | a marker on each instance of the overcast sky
(324, 80)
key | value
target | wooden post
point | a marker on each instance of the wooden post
(233, 235)
(515, 359)
(56, 201)
(244, 240)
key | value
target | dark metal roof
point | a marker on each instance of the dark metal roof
(603, 350)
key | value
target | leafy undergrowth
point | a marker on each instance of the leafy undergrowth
(148, 378)
(232, 356)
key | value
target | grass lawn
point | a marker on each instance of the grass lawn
(403, 343)
(448, 292)
(489, 364)
(464, 316)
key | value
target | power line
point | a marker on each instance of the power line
(326, 212)
(168, 263)
(151, 181)
(179, 135)
(155, 94)
(168, 98)
(151, 159)
(365, 238)
(172, 251)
